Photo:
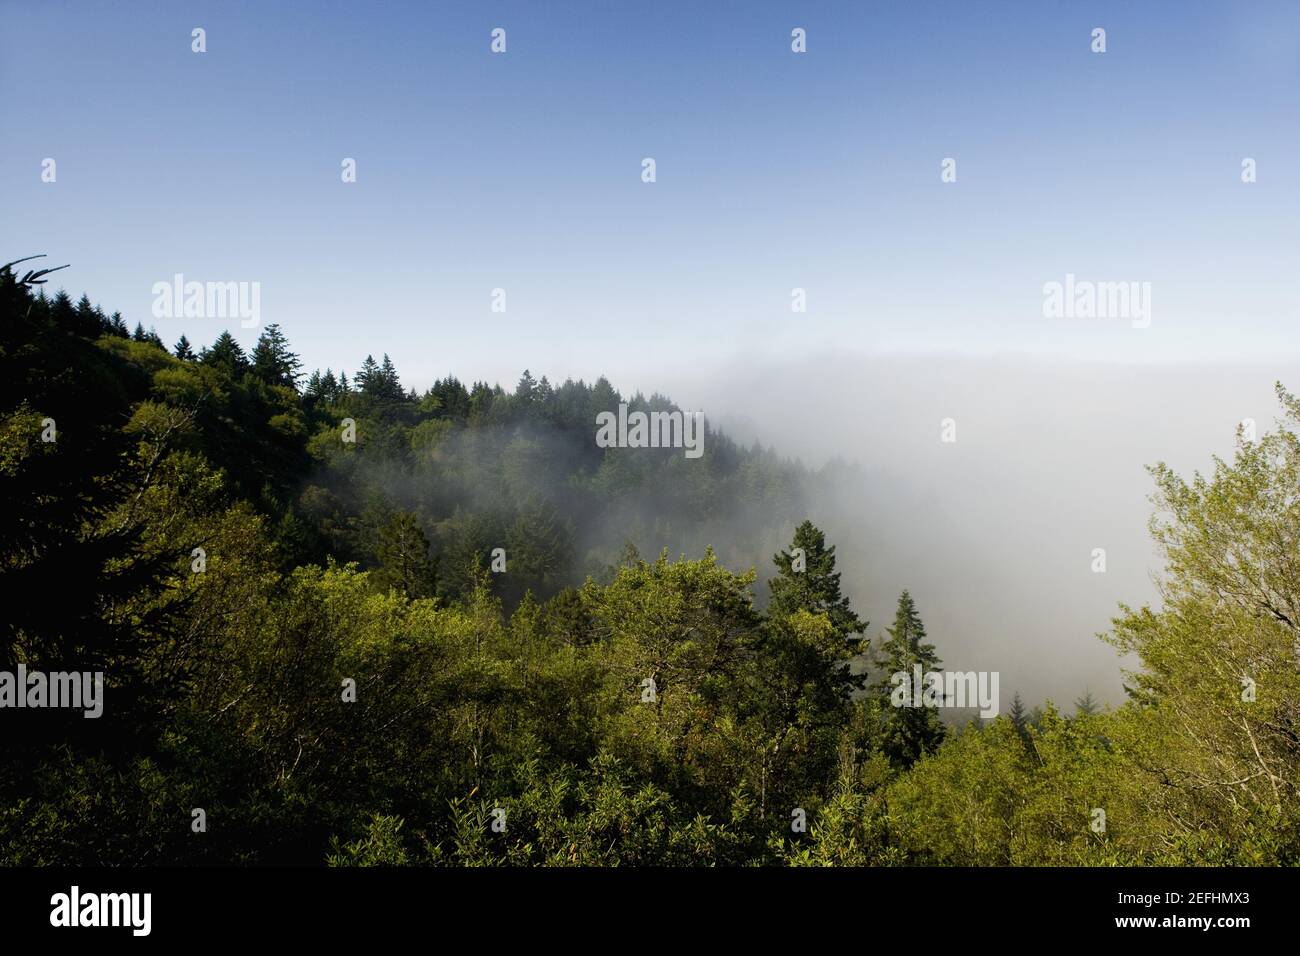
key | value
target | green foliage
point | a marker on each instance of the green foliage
(910, 731)
(306, 638)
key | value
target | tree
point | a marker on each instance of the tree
(89, 320)
(526, 391)
(367, 380)
(183, 350)
(226, 354)
(390, 386)
(1218, 685)
(272, 361)
(1086, 705)
(912, 729)
(1019, 717)
(80, 580)
(539, 545)
(815, 588)
(402, 552)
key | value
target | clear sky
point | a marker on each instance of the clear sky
(775, 170)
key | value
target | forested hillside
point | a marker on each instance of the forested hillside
(287, 581)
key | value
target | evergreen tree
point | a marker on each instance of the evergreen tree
(62, 312)
(272, 361)
(526, 390)
(227, 354)
(367, 380)
(1019, 717)
(815, 588)
(912, 729)
(402, 551)
(117, 326)
(88, 320)
(183, 350)
(1086, 705)
(390, 386)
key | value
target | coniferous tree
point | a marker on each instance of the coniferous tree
(402, 551)
(329, 386)
(89, 320)
(390, 386)
(62, 312)
(1019, 717)
(367, 380)
(184, 351)
(815, 588)
(226, 353)
(272, 361)
(1086, 705)
(912, 728)
(526, 390)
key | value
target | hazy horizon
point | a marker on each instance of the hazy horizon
(781, 177)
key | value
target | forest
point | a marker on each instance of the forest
(342, 623)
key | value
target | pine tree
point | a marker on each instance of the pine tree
(62, 312)
(911, 728)
(1019, 717)
(272, 361)
(117, 326)
(402, 551)
(1086, 705)
(89, 321)
(226, 353)
(183, 350)
(390, 386)
(816, 588)
(329, 386)
(526, 390)
(366, 381)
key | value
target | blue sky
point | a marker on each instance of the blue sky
(775, 170)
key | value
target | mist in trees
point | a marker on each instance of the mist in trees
(362, 626)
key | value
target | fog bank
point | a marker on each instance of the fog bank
(993, 534)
